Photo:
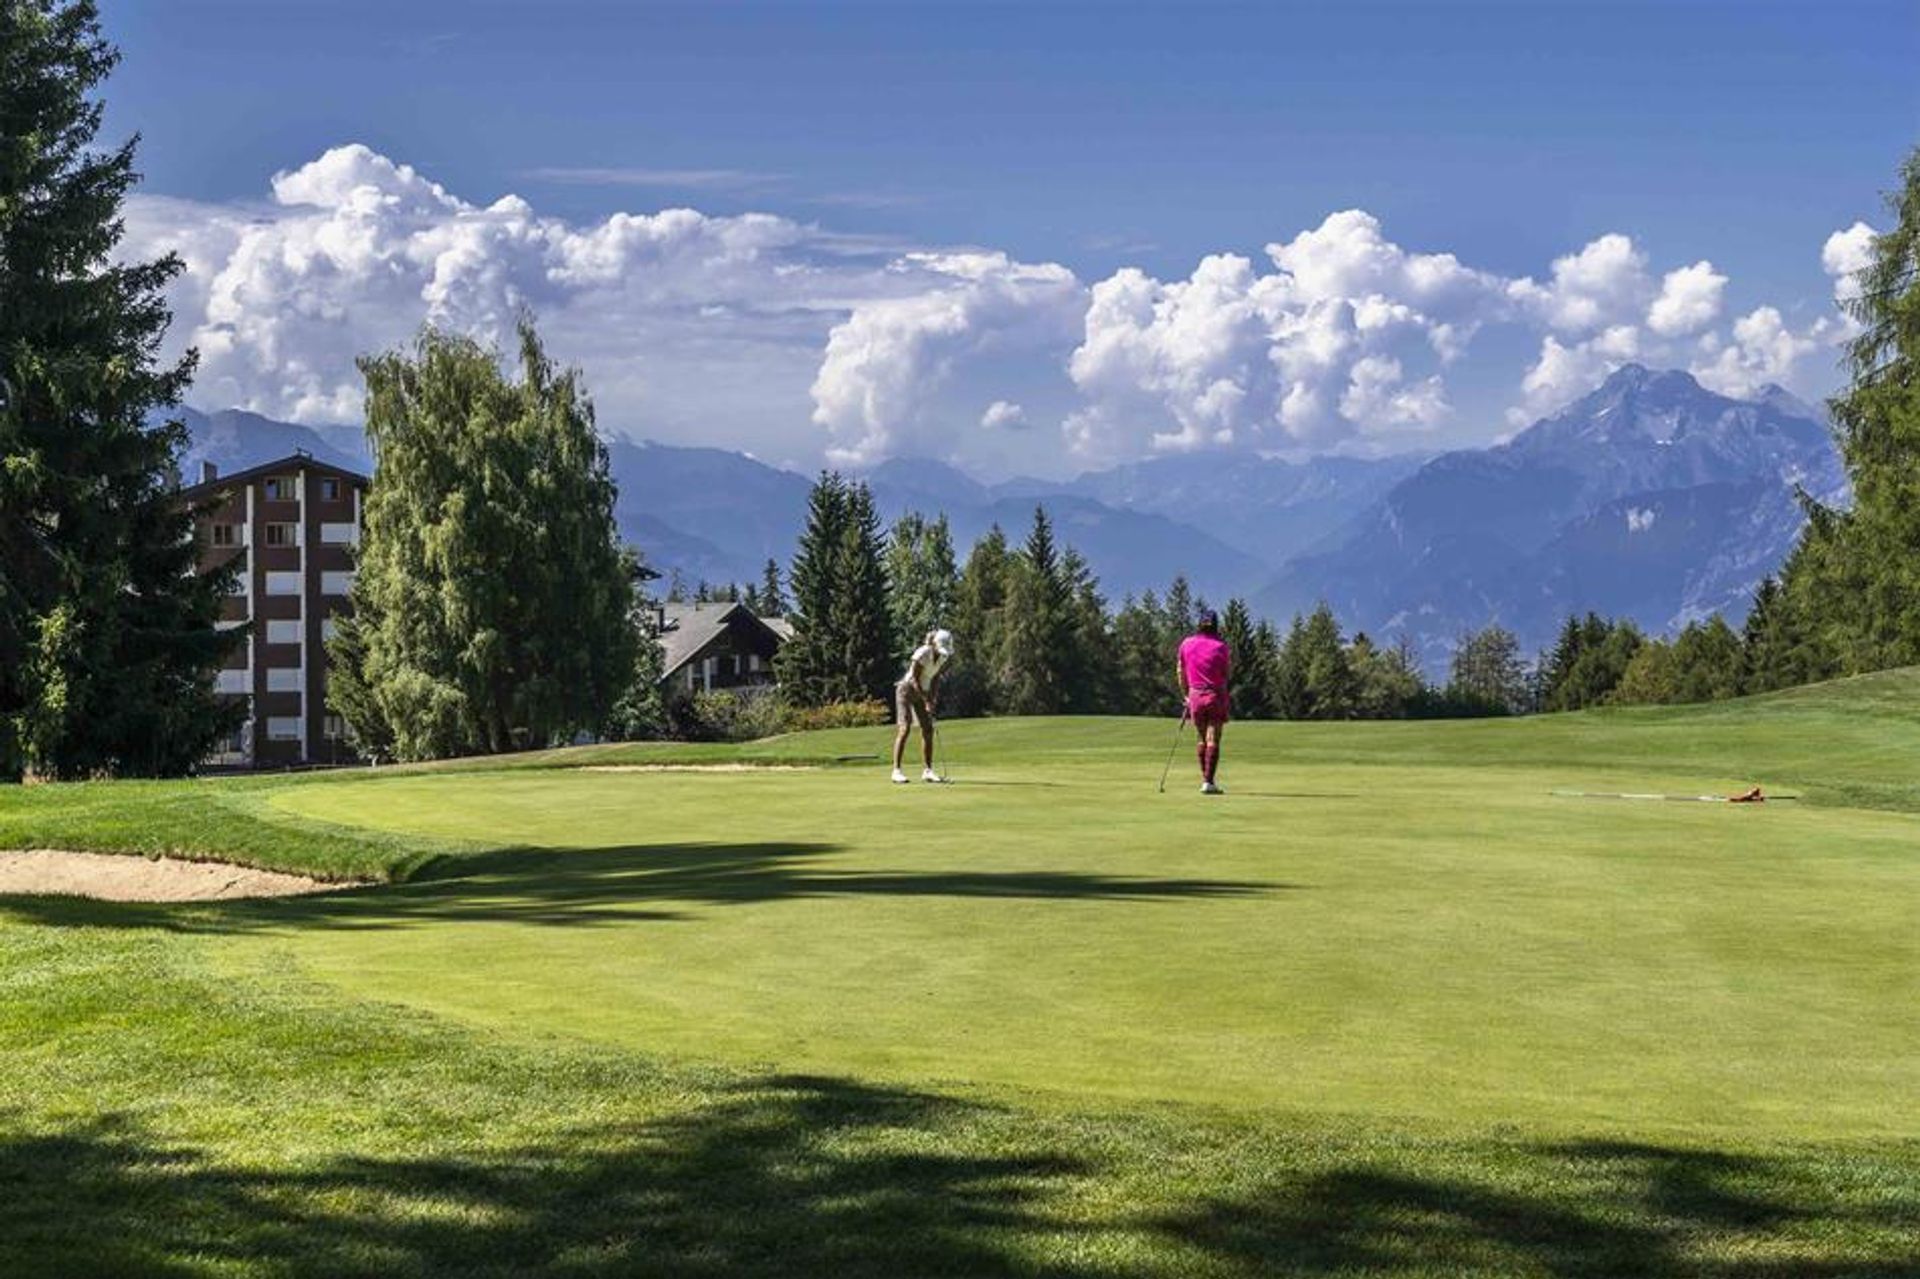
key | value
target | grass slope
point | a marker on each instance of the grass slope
(1390, 1008)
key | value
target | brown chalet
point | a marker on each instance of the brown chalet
(293, 526)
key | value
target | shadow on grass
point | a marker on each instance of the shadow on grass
(1581, 1209)
(808, 1176)
(585, 887)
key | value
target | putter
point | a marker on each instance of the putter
(939, 739)
(1172, 746)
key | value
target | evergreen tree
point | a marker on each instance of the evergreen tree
(1143, 663)
(970, 686)
(1707, 662)
(1290, 696)
(492, 606)
(1605, 649)
(1178, 612)
(1777, 647)
(920, 565)
(1253, 659)
(808, 664)
(862, 611)
(1856, 582)
(1387, 683)
(1036, 643)
(640, 713)
(770, 601)
(108, 646)
(1328, 677)
(1088, 671)
(1650, 677)
(1488, 675)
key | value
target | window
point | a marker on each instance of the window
(279, 488)
(283, 728)
(283, 535)
(329, 489)
(236, 682)
(239, 583)
(336, 583)
(287, 583)
(224, 534)
(329, 628)
(285, 679)
(339, 534)
(334, 727)
(283, 632)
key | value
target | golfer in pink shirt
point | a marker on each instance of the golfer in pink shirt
(1206, 668)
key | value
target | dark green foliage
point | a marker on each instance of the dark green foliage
(843, 643)
(641, 711)
(807, 664)
(1853, 586)
(1037, 638)
(1255, 651)
(1387, 682)
(1488, 676)
(107, 637)
(1142, 662)
(491, 611)
(1313, 678)
(979, 617)
(862, 621)
(1587, 663)
(1707, 662)
(769, 600)
(924, 578)
(1778, 646)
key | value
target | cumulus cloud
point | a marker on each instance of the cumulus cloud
(1846, 254)
(1689, 300)
(761, 331)
(1604, 284)
(1003, 415)
(1764, 349)
(882, 363)
(1313, 352)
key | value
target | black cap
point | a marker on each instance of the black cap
(1209, 620)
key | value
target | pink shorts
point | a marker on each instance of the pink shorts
(1207, 707)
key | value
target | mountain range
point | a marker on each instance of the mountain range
(1651, 498)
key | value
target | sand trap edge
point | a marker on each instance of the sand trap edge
(134, 877)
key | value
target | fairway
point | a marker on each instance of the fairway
(1390, 1006)
(1425, 941)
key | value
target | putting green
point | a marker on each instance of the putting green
(1398, 920)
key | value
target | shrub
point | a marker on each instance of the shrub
(860, 714)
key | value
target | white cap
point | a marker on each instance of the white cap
(943, 641)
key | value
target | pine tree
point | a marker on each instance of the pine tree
(1855, 581)
(1387, 683)
(1329, 679)
(492, 605)
(770, 601)
(1291, 697)
(807, 665)
(862, 612)
(1488, 676)
(1037, 639)
(1087, 668)
(1248, 689)
(971, 685)
(1707, 662)
(1777, 646)
(1650, 678)
(1143, 663)
(920, 565)
(107, 639)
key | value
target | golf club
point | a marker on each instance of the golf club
(1754, 796)
(940, 756)
(1172, 746)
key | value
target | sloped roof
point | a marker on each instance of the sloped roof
(689, 628)
(291, 462)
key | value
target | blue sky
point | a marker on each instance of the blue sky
(1089, 139)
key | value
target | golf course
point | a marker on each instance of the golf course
(1411, 998)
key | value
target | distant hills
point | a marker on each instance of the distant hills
(1652, 498)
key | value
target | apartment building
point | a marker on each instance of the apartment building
(292, 525)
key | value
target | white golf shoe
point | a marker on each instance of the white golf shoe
(899, 778)
(928, 775)
(1208, 788)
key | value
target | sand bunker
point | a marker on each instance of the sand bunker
(697, 768)
(125, 878)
